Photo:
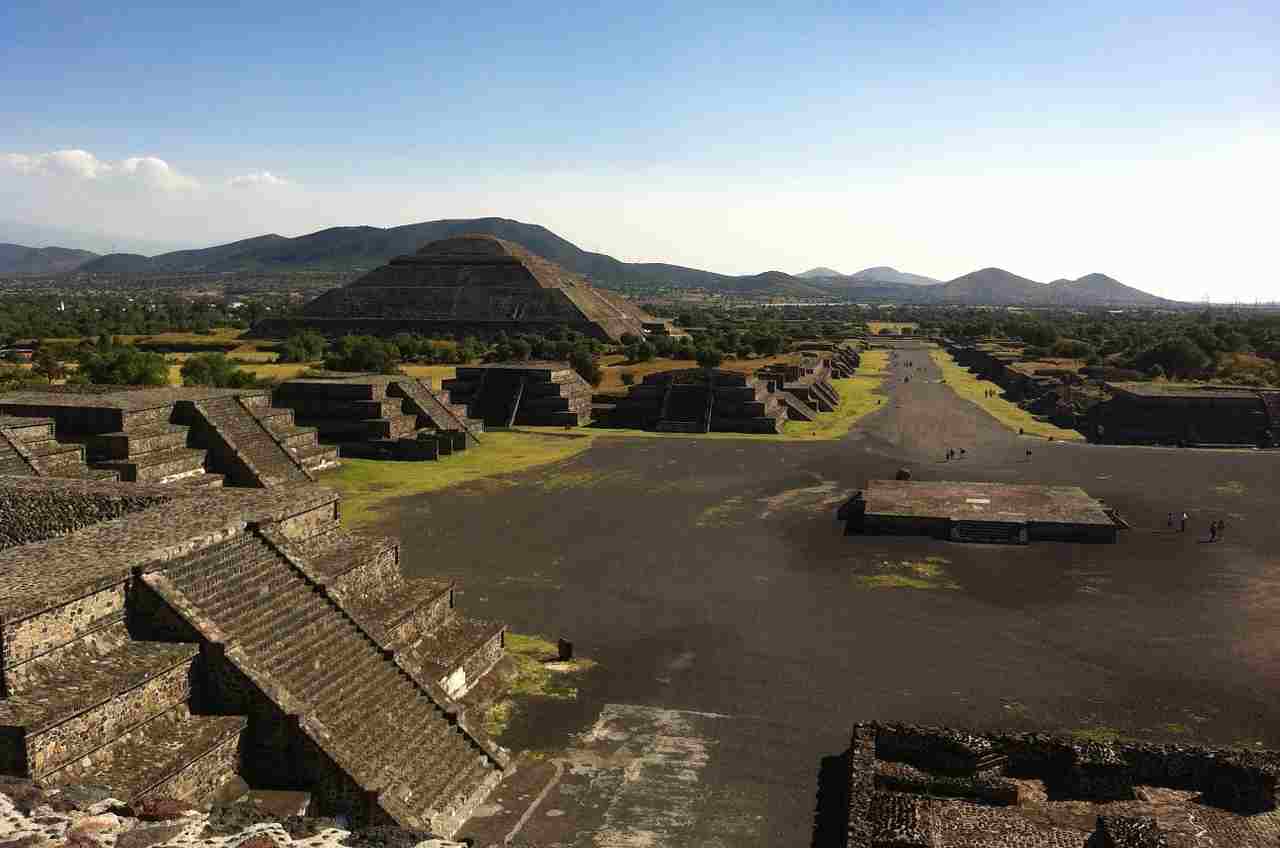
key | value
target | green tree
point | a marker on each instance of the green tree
(709, 357)
(363, 353)
(307, 346)
(122, 365)
(1177, 355)
(582, 361)
(215, 369)
(47, 365)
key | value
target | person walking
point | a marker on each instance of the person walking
(1184, 523)
(1213, 531)
(1222, 527)
(1171, 522)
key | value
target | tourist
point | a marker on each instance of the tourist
(1171, 521)
(1222, 526)
(1184, 523)
(1213, 531)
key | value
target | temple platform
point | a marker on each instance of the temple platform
(994, 513)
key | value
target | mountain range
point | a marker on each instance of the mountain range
(356, 248)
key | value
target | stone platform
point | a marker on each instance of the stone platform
(695, 400)
(162, 641)
(193, 436)
(379, 416)
(998, 513)
(933, 787)
(504, 394)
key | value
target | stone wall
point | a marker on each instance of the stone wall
(29, 515)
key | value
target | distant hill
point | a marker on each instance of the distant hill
(1099, 289)
(991, 286)
(885, 274)
(358, 248)
(819, 273)
(17, 259)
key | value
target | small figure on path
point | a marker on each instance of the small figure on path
(962, 451)
(1213, 531)
(1222, 527)
(1184, 523)
(1171, 521)
(1028, 454)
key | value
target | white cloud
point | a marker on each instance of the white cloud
(148, 171)
(258, 178)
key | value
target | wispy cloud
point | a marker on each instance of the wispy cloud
(257, 178)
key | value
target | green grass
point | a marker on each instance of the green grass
(537, 674)
(1098, 733)
(971, 388)
(930, 573)
(365, 484)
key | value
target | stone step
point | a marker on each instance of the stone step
(297, 437)
(53, 457)
(362, 428)
(402, 615)
(306, 389)
(153, 437)
(455, 653)
(175, 754)
(160, 466)
(353, 561)
(315, 456)
(202, 481)
(26, 431)
(82, 699)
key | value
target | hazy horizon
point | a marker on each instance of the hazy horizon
(1139, 144)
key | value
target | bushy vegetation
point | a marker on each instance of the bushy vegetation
(111, 363)
(307, 346)
(364, 353)
(215, 369)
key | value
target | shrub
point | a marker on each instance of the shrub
(363, 353)
(215, 369)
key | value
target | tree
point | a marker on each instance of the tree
(215, 369)
(585, 364)
(1177, 355)
(363, 353)
(48, 365)
(709, 357)
(122, 365)
(307, 346)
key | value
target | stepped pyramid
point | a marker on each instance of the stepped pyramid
(160, 640)
(189, 436)
(473, 284)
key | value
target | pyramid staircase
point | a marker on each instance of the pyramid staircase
(307, 635)
(989, 532)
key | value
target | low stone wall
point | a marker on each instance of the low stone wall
(29, 515)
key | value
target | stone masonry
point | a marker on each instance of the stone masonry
(932, 787)
(696, 400)
(160, 640)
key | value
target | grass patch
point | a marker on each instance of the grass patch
(968, 386)
(720, 515)
(436, 373)
(537, 675)
(930, 573)
(365, 484)
(1098, 733)
(1231, 487)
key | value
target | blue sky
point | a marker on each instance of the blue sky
(1137, 141)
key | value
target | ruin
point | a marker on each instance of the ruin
(380, 415)
(549, 394)
(804, 388)
(191, 436)
(470, 285)
(935, 787)
(698, 400)
(1190, 414)
(159, 641)
(994, 513)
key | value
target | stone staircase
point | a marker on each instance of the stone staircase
(284, 624)
(548, 394)
(240, 444)
(84, 703)
(797, 410)
(302, 442)
(414, 618)
(435, 409)
(28, 447)
(989, 532)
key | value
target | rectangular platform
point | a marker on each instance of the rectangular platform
(1001, 513)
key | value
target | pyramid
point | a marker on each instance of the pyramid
(468, 285)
